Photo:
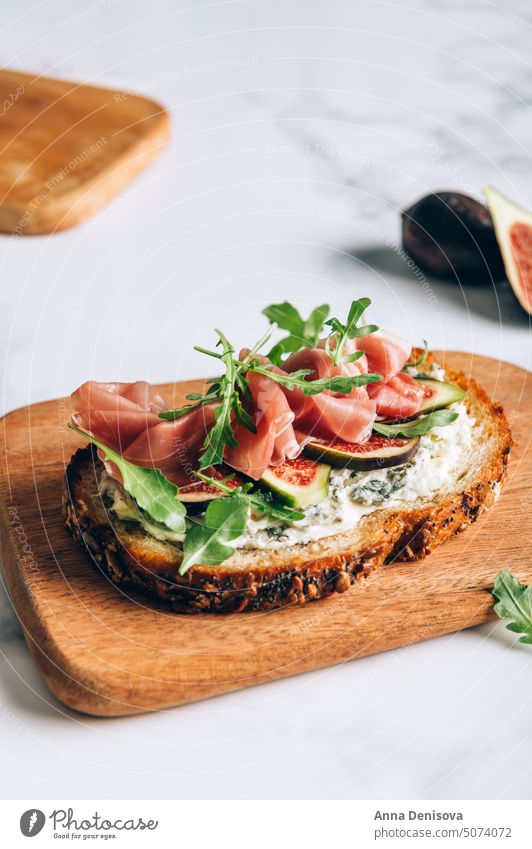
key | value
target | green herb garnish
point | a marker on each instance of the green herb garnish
(222, 434)
(261, 501)
(230, 391)
(152, 491)
(341, 333)
(301, 333)
(207, 543)
(298, 380)
(417, 427)
(514, 601)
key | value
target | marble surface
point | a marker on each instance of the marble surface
(299, 129)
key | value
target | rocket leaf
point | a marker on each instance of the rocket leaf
(301, 333)
(514, 601)
(417, 427)
(207, 542)
(152, 491)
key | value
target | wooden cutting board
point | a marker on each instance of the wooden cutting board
(66, 149)
(105, 653)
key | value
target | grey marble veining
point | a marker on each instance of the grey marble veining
(299, 130)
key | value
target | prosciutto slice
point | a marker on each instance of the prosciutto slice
(116, 413)
(386, 353)
(397, 395)
(331, 414)
(397, 398)
(125, 416)
(173, 447)
(275, 440)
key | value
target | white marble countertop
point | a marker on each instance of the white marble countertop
(299, 129)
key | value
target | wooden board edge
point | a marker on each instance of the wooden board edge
(59, 675)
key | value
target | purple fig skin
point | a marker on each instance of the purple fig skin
(389, 452)
(451, 235)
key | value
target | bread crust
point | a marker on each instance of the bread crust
(296, 574)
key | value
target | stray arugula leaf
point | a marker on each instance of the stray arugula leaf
(264, 502)
(421, 359)
(152, 491)
(514, 601)
(297, 380)
(301, 333)
(207, 543)
(341, 333)
(417, 427)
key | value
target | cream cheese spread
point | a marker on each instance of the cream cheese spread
(352, 495)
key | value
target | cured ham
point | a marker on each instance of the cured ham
(173, 447)
(386, 353)
(116, 413)
(398, 398)
(125, 416)
(275, 440)
(330, 414)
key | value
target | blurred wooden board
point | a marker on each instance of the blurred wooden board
(104, 653)
(66, 149)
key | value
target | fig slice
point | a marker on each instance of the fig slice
(439, 394)
(450, 234)
(379, 452)
(199, 491)
(298, 483)
(513, 228)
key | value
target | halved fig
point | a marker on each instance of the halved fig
(298, 483)
(379, 452)
(513, 228)
(439, 394)
(199, 491)
(451, 234)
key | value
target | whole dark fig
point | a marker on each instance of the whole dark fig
(451, 234)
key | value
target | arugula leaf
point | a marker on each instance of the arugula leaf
(285, 316)
(206, 543)
(301, 333)
(314, 323)
(340, 333)
(221, 434)
(514, 601)
(417, 427)
(152, 491)
(201, 399)
(297, 380)
(264, 502)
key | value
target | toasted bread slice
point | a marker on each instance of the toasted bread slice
(262, 579)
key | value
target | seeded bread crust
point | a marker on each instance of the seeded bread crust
(261, 580)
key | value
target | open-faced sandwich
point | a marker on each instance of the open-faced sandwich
(297, 469)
